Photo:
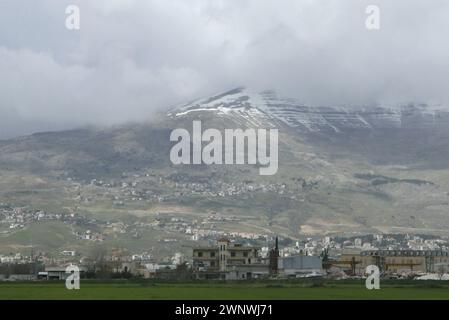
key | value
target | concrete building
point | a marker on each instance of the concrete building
(394, 261)
(54, 273)
(300, 266)
(407, 261)
(57, 273)
(228, 261)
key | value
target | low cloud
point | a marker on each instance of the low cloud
(131, 58)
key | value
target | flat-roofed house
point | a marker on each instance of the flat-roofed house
(226, 260)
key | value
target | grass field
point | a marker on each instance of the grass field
(222, 291)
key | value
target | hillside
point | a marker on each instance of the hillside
(343, 170)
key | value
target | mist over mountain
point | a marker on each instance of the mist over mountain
(131, 59)
(342, 170)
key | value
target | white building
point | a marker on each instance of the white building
(300, 266)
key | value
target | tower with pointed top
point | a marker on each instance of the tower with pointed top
(273, 259)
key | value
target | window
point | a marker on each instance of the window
(200, 254)
(212, 263)
(233, 254)
(212, 254)
(245, 254)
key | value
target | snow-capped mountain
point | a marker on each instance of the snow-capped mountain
(341, 169)
(258, 108)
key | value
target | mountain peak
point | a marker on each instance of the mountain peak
(268, 107)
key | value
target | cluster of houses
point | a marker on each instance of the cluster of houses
(230, 260)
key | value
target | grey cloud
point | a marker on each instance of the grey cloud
(132, 57)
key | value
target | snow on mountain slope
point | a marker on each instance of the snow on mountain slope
(258, 108)
(240, 104)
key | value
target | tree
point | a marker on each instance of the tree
(100, 265)
(325, 259)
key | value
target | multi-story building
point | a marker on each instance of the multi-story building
(228, 261)
(394, 261)
(405, 261)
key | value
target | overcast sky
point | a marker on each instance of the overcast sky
(132, 57)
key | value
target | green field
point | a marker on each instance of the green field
(223, 291)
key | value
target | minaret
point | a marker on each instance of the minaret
(273, 258)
